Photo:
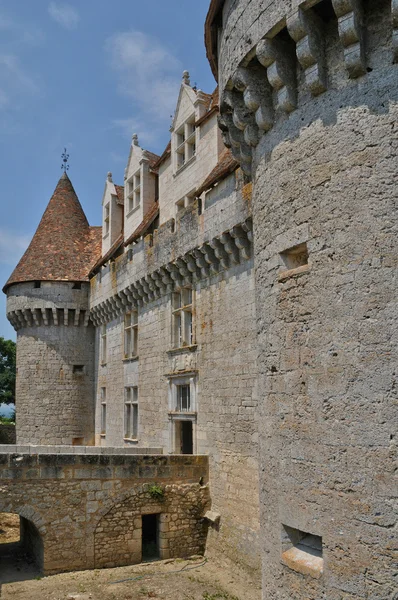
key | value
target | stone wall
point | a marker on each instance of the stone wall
(55, 363)
(7, 434)
(325, 219)
(220, 364)
(84, 510)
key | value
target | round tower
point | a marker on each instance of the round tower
(309, 107)
(48, 306)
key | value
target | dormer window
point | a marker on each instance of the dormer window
(185, 142)
(106, 219)
(134, 191)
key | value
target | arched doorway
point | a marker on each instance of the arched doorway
(21, 548)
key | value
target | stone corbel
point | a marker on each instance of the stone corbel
(241, 241)
(86, 318)
(21, 317)
(224, 131)
(201, 262)
(193, 266)
(276, 57)
(305, 29)
(77, 316)
(394, 14)
(243, 118)
(257, 94)
(230, 247)
(36, 316)
(351, 32)
(220, 252)
(210, 258)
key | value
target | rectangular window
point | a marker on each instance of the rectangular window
(183, 398)
(106, 219)
(134, 191)
(185, 142)
(103, 344)
(131, 334)
(103, 411)
(182, 318)
(131, 412)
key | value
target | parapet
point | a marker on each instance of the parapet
(290, 52)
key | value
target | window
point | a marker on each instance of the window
(103, 344)
(131, 412)
(183, 398)
(130, 334)
(134, 191)
(182, 318)
(295, 261)
(185, 142)
(78, 369)
(37, 284)
(185, 201)
(106, 219)
(103, 411)
(302, 551)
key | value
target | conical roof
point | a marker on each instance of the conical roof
(64, 247)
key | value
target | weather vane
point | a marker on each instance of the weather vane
(65, 158)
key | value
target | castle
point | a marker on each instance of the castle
(255, 379)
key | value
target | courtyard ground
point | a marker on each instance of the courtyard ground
(194, 579)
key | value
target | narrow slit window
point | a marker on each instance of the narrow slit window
(103, 411)
(103, 344)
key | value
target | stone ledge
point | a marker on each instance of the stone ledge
(303, 561)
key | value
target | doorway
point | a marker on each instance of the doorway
(150, 537)
(21, 549)
(184, 437)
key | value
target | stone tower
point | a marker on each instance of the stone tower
(309, 107)
(48, 305)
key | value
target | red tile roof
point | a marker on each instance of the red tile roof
(226, 165)
(64, 246)
(120, 193)
(108, 255)
(148, 219)
(212, 106)
(166, 153)
(152, 157)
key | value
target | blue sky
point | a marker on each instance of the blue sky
(86, 75)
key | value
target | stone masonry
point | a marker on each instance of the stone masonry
(309, 106)
(84, 510)
(141, 334)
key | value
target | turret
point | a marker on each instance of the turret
(48, 306)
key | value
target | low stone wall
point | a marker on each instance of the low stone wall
(7, 434)
(87, 509)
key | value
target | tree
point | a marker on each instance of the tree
(8, 351)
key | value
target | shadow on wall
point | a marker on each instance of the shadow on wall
(21, 549)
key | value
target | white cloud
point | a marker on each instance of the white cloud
(150, 74)
(64, 14)
(12, 246)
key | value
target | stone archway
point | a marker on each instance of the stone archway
(24, 557)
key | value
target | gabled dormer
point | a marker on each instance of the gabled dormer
(112, 213)
(194, 150)
(140, 186)
(183, 128)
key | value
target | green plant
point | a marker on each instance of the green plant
(156, 492)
